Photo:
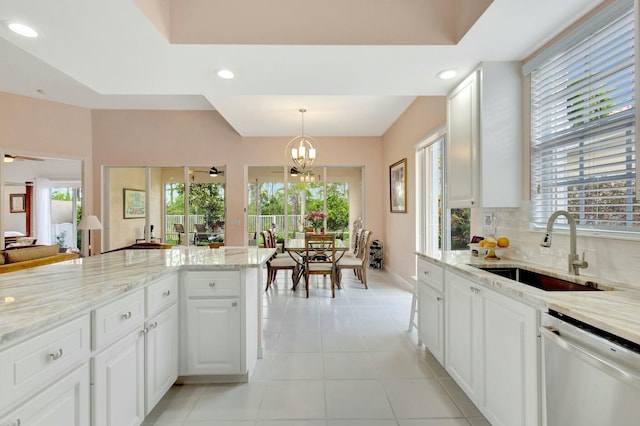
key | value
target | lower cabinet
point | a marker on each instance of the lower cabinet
(213, 336)
(491, 351)
(431, 308)
(161, 355)
(65, 403)
(118, 382)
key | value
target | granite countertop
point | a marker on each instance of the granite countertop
(34, 298)
(616, 311)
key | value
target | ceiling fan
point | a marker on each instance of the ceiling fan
(11, 158)
(213, 172)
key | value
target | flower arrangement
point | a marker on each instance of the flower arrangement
(316, 219)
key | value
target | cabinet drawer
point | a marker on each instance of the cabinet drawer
(212, 284)
(29, 366)
(431, 274)
(117, 318)
(161, 294)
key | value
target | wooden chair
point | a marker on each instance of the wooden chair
(360, 261)
(179, 228)
(320, 258)
(277, 263)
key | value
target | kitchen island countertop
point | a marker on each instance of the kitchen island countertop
(37, 298)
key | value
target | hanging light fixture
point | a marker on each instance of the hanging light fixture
(300, 149)
(307, 177)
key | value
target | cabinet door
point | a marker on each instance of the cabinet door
(118, 382)
(213, 336)
(463, 350)
(462, 144)
(65, 403)
(510, 396)
(161, 352)
(431, 320)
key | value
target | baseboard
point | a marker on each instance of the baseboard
(399, 280)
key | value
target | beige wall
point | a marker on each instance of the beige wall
(423, 117)
(203, 138)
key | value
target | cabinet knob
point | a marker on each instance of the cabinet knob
(426, 272)
(166, 293)
(234, 304)
(55, 355)
(439, 299)
(126, 316)
(212, 284)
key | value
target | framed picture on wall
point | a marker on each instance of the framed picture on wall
(135, 204)
(17, 203)
(398, 186)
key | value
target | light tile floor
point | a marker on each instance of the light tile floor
(347, 361)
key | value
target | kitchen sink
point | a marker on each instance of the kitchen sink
(540, 280)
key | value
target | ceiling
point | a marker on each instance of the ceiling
(355, 66)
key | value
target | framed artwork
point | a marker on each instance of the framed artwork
(398, 186)
(135, 204)
(17, 203)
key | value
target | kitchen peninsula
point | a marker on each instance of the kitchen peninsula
(104, 337)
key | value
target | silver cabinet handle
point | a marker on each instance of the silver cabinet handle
(212, 284)
(126, 316)
(234, 304)
(144, 331)
(166, 293)
(438, 299)
(153, 325)
(55, 355)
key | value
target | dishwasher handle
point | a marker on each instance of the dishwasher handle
(612, 369)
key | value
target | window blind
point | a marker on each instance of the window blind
(583, 130)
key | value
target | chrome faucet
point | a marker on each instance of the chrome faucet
(574, 260)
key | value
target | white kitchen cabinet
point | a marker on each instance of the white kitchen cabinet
(483, 144)
(219, 324)
(213, 335)
(65, 403)
(161, 355)
(431, 308)
(117, 388)
(492, 351)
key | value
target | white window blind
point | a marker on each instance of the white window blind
(583, 130)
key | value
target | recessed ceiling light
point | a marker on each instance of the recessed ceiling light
(226, 74)
(22, 29)
(447, 74)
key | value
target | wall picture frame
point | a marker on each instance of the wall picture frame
(398, 186)
(134, 204)
(17, 203)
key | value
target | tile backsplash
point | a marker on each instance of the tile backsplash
(613, 259)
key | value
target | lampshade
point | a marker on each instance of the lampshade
(89, 222)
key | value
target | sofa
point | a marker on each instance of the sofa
(18, 258)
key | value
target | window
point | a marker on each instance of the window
(583, 125)
(455, 225)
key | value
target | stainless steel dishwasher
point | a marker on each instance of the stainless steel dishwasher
(590, 377)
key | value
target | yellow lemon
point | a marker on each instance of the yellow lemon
(503, 242)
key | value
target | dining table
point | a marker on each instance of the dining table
(296, 248)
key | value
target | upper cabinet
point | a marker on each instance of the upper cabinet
(484, 146)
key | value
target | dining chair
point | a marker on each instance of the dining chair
(360, 261)
(179, 228)
(277, 263)
(215, 245)
(320, 258)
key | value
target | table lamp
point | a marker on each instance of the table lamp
(89, 223)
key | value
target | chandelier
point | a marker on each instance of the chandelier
(300, 149)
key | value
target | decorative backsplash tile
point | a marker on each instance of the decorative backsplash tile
(612, 258)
